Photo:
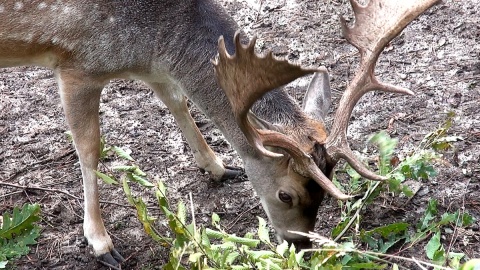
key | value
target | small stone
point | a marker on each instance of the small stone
(442, 41)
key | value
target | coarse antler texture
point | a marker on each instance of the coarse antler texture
(376, 24)
(243, 87)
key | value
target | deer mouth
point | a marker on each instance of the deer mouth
(300, 242)
(303, 243)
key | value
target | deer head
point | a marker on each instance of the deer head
(304, 155)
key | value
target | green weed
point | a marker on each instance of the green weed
(18, 232)
(194, 246)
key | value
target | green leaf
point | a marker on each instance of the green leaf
(467, 220)
(140, 180)
(395, 185)
(103, 148)
(369, 239)
(161, 188)
(448, 218)
(18, 232)
(214, 234)
(122, 153)
(263, 234)
(257, 254)
(139, 172)
(204, 238)
(160, 194)
(69, 135)
(269, 264)
(19, 245)
(124, 168)
(340, 227)
(407, 191)
(224, 246)
(390, 235)
(215, 220)
(367, 265)
(282, 248)
(433, 245)
(127, 191)
(243, 241)
(299, 257)
(454, 259)
(194, 257)
(292, 259)
(386, 146)
(129, 168)
(106, 178)
(439, 256)
(429, 215)
(147, 221)
(231, 257)
(394, 228)
(445, 143)
(182, 212)
(21, 221)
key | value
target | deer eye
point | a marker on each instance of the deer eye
(284, 197)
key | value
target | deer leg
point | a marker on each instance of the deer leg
(204, 155)
(80, 99)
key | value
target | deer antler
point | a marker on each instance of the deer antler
(376, 24)
(243, 87)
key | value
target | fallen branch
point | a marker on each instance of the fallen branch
(41, 162)
(57, 191)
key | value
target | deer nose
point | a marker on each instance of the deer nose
(300, 243)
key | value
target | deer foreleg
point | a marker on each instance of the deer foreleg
(204, 155)
(80, 99)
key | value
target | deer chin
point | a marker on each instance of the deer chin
(300, 242)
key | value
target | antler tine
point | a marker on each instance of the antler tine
(246, 77)
(304, 165)
(243, 87)
(376, 24)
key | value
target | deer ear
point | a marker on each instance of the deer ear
(318, 98)
(259, 123)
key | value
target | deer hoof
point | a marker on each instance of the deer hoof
(231, 172)
(112, 259)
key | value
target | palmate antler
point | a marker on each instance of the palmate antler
(246, 77)
(376, 24)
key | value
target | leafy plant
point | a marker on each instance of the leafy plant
(17, 232)
(416, 166)
(197, 247)
(194, 246)
(438, 140)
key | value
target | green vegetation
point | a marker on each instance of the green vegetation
(18, 232)
(194, 246)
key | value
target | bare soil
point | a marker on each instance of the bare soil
(437, 57)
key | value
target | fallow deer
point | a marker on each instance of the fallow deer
(169, 45)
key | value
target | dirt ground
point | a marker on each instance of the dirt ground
(437, 56)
